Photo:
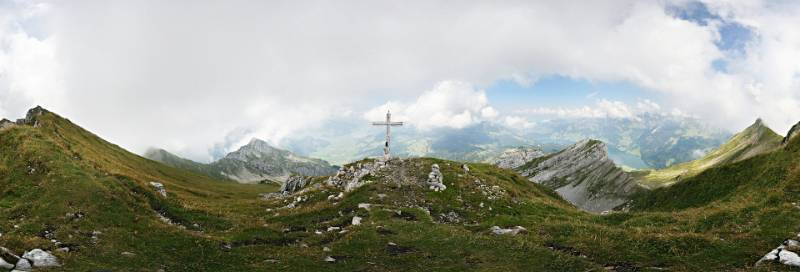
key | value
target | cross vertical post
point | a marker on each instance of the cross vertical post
(389, 124)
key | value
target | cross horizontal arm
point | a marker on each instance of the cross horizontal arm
(387, 124)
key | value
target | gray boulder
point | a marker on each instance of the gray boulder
(41, 258)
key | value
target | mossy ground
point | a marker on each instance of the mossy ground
(716, 222)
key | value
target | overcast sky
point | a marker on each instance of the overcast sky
(190, 75)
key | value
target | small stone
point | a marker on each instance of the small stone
(330, 259)
(128, 254)
(326, 249)
(334, 228)
(364, 206)
(356, 221)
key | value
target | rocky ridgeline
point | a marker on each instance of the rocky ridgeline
(516, 157)
(29, 120)
(585, 176)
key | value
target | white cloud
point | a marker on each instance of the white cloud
(220, 71)
(451, 104)
(517, 122)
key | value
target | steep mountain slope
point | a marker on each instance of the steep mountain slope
(256, 162)
(754, 140)
(61, 183)
(584, 175)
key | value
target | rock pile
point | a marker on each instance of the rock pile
(350, 178)
(435, 179)
(784, 254)
(159, 188)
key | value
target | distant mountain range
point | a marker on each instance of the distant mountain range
(256, 162)
(647, 141)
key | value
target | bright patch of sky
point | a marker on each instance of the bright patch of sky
(562, 91)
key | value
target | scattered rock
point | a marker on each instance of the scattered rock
(326, 249)
(364, 206)
(159, 188)
(512, 231)
(41, 258)
(330, 259)
(450, 217)
(128, 254)
(465, 167)
(435, 179)
(356, 221)
(353, 177)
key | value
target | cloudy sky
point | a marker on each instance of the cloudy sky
(191, 75)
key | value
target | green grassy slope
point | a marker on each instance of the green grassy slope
(58, 168)
(754, 140)
(165, 157)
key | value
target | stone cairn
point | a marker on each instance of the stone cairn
(435, 179)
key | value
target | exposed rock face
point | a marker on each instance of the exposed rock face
(258, 161)
(435, 179)
(294, 184)
(583, 175)
(30, 118)
(516, 157)
(794, 131)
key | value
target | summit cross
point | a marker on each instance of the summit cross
(389, 124)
